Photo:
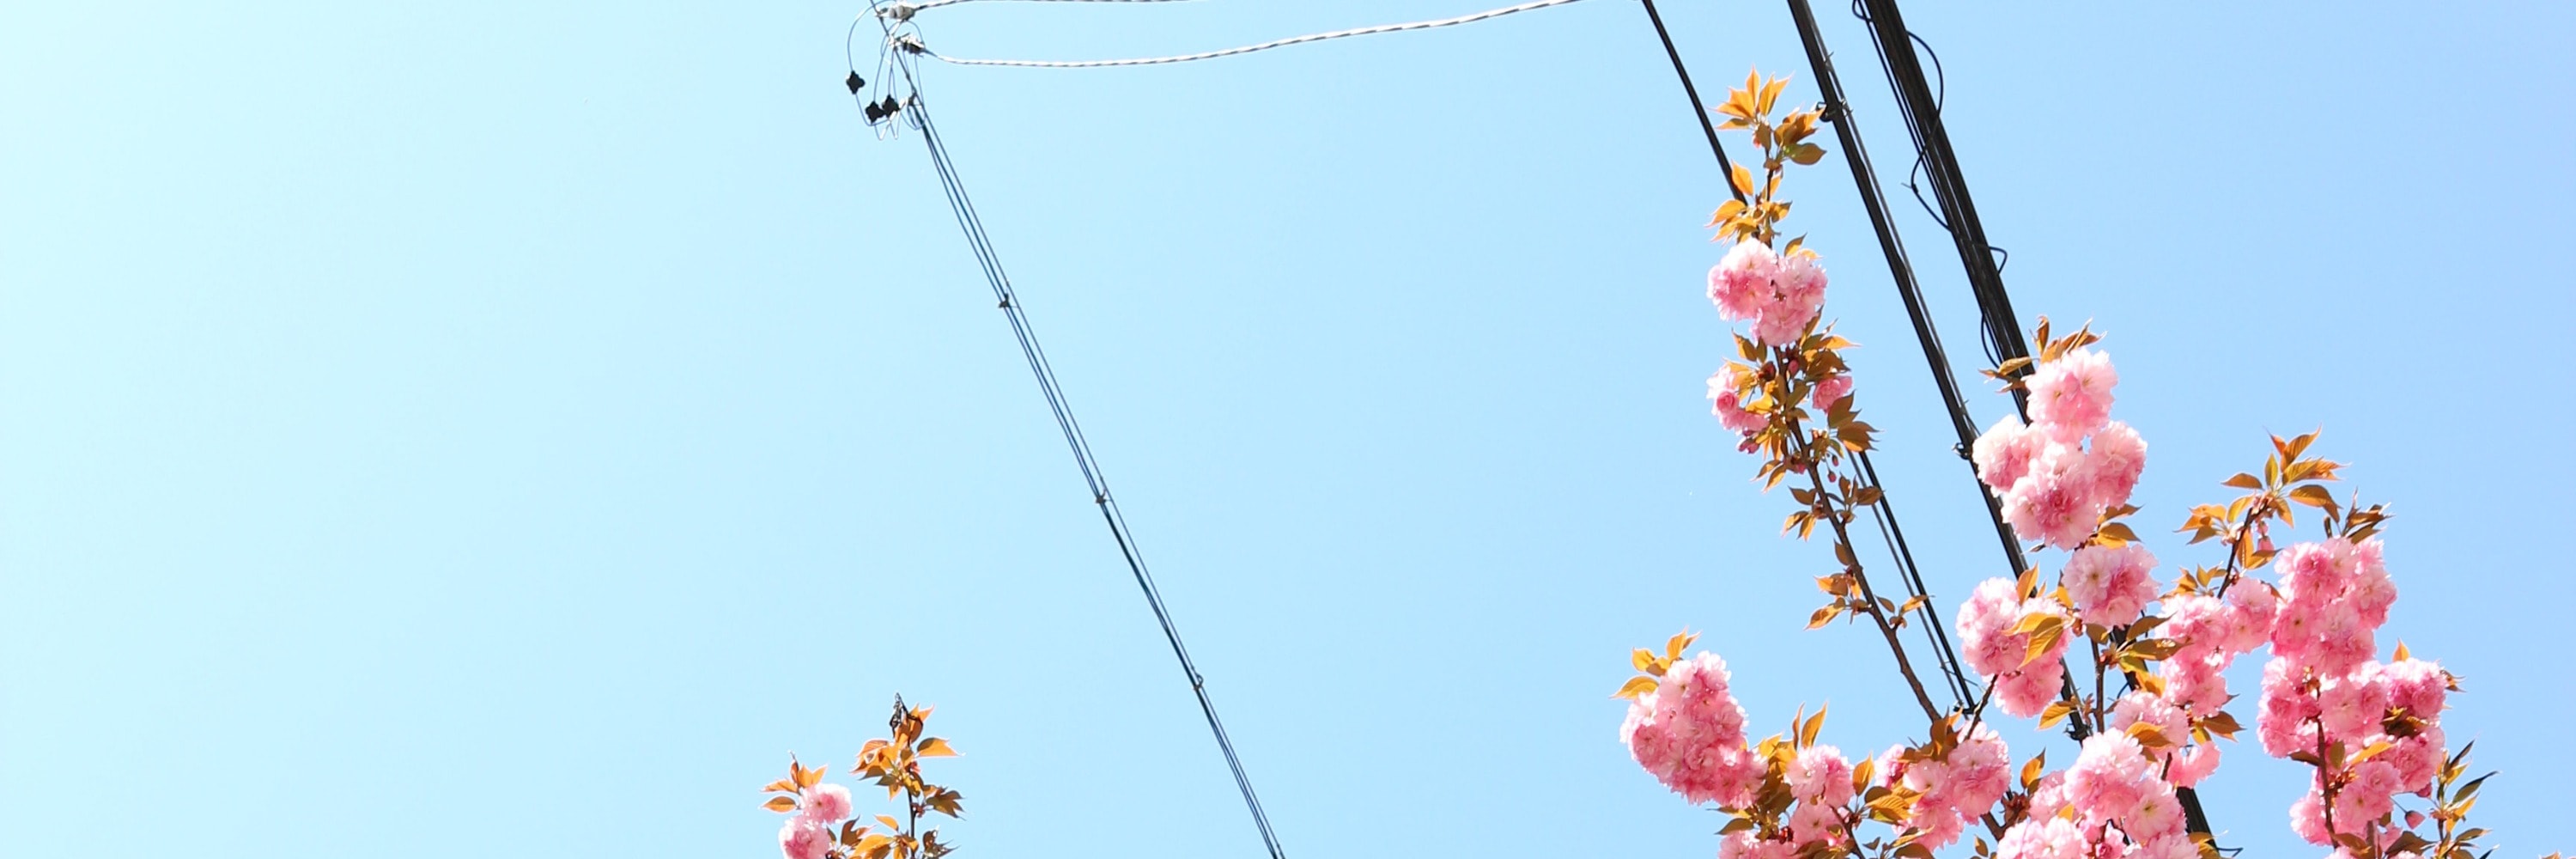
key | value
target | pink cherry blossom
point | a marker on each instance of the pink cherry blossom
(2315, 572)
(2190, 766)
(2071, 396)
(2195, 681)
(2366, 797)
(2168, 847)
(2005, 452)
(2199, 621)
(2343, 639)
(2023, 687)
(2308, 817)
(2048, 796)
(2251, 609)
(2052, 837)
(2416, 760)
(2108, 776)
(2370, 590)
(1815, 822)
(2110, 586)
(2156, 815)
(1689, 734)
(2351, 706)
(2055, 502)
(2152, 709)
(1729, 408)
(2117, 457)
(1798, 292)
(2416, 686)
(803, 838)
(1741, 283)
(1736, 845)
(1830, 391)
(1778, 294)
(1980, 772)
(2026, 693)
(827, 803)
(1820, 774)
(1983, 624)
(2286, 721)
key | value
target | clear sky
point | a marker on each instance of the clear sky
(440, 429)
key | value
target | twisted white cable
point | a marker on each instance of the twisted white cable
(934, 4)
(1246, 49)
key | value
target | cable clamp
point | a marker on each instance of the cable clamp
(897, 11)
(878, 111)
(910, 43)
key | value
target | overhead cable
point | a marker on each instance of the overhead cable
(908, 8)
(1008, 300)
(1921, 103)
(1883, 514)
(1246, 49)
(1920, 106)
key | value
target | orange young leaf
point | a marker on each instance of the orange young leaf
(1636, 687)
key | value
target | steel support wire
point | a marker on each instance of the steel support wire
(1100, 496)
(1008, 300)
(1883, 514)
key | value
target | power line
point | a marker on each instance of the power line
(1008, 300)
(1245, 49)
(903, 9)
(1921, 106)
(1921, 109)
(1883, 513)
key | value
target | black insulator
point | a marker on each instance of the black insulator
(857, 83)
(875, 114)
(890, 106)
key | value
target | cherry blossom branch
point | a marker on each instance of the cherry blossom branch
(1850, 553)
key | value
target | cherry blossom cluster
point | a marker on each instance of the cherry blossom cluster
(808, 834)
(1819, 782)
(2112, 802)
(1779, 293)
(1953, 789)
(2072, 463)
(1726, 400)
(2373, 730)
(1689, 732)
(2024, 681)
(2147, 692)
(819, 824)
(2213, 631)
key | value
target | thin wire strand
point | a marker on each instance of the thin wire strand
(934, 4)
(1883, 514)
(1246, 49)
(980, 243)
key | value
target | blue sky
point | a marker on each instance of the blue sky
(458, 428)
